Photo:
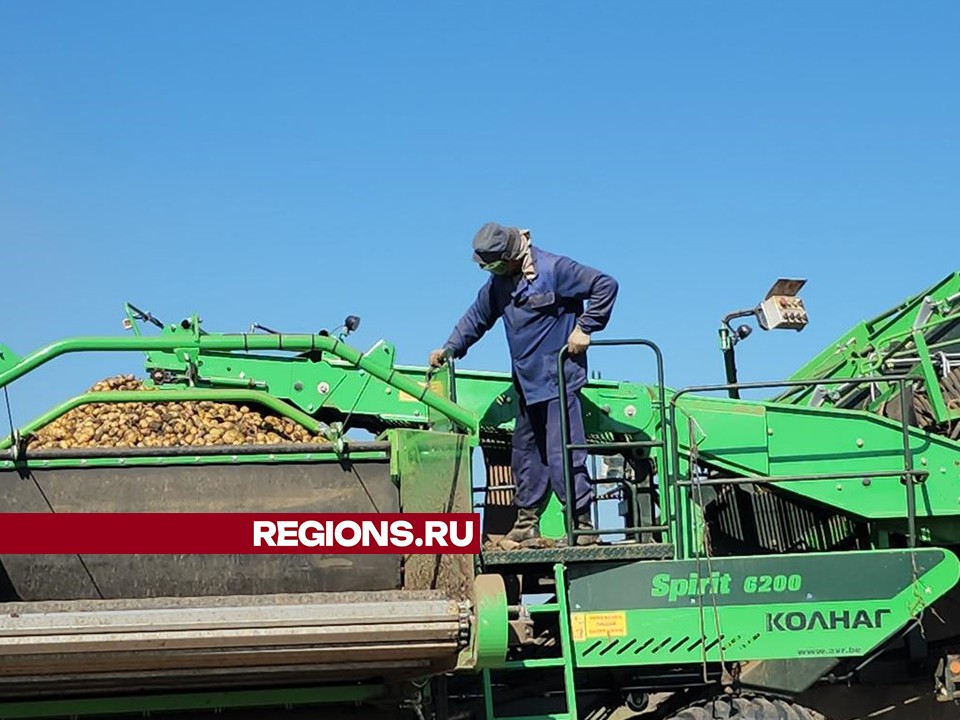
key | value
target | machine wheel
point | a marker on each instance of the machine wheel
(746, 708)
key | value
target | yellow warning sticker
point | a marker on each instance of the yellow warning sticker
(605, 625)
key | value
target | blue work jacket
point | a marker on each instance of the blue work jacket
(539, 316)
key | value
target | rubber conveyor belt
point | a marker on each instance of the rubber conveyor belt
(221, 641)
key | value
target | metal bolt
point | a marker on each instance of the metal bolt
(923, 461)
(630, 411)
(323, 388)
(769, 431)
(839, 487)
(859, 442)
(866, 482)
(388, 391)
(298, 386)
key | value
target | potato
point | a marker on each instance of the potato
(173, 424)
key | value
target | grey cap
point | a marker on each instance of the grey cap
(495, 242)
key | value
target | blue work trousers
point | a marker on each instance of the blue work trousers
(537, 458)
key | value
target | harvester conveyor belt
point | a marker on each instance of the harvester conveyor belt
(222, 641)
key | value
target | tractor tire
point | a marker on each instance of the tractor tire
(746, 708)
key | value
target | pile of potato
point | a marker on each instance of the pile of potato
(164, 424)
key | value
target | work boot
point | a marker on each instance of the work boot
(525, 531)
(583, 521)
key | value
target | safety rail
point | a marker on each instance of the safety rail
(909, 475)
(568, 448)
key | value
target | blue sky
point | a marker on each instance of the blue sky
(289, 163)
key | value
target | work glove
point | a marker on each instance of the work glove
(578, 341)
(439, 357)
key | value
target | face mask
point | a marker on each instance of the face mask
(497, 268)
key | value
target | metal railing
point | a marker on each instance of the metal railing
(568, 448)
(672, 484)
(909, 475)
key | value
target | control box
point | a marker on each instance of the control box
(948, 679)
(782, 309)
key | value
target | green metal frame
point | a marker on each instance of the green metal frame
(807, 446)
(736, 609)
(564, 661)
(874, 346)
(837, 455)
(188, 347)
(656, 445)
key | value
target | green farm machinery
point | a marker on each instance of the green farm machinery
(749, 549)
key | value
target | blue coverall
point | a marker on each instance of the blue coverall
(539, 317)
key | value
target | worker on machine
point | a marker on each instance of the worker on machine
(541, 298)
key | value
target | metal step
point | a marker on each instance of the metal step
(590, 553)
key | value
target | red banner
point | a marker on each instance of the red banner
(238, 533)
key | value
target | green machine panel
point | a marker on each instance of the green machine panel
(750, 608)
